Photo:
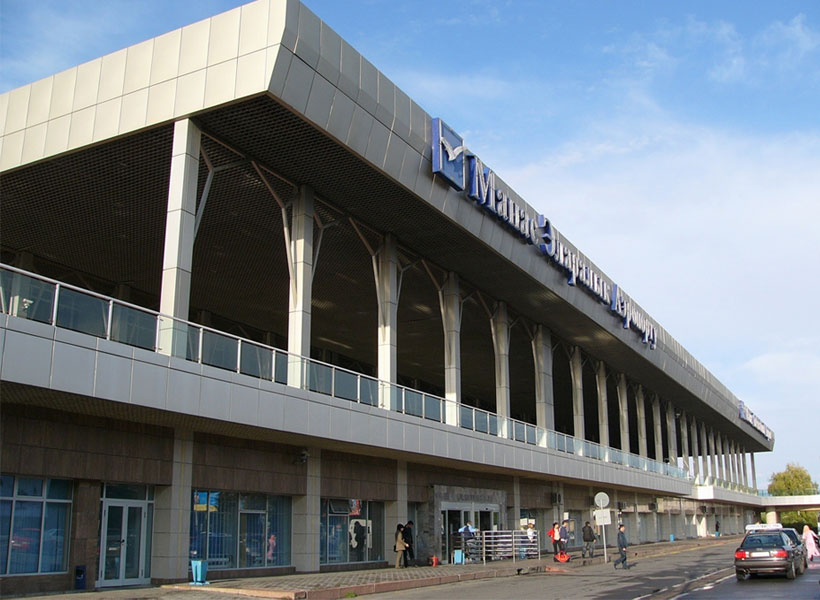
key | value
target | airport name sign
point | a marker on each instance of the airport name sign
(464, 171)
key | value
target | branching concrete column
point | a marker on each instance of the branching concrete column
(640, 410)
(542, 359)
(450, 301)
(172, 515)
(656, 421)
(754, 473)
(745, 470)
(733, 461)
(713, 454)
(684, 441)
(623, 412)
(307, 516)
(577, 371)
(301, 285)
(386, 267)
(603, 408)
(671, 437)
(500, 328)
(704, 454)
(695, 449)
(180, 218)
(721, 463)
(727, 457)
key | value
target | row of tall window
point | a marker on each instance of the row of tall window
(35, 517)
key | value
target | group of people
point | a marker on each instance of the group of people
(404, 544)
(559, 534)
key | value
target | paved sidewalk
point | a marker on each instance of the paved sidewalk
(348, 584)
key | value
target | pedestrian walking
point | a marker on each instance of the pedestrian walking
(810, 539)
(622, 545)
(589, 537)
(717, 528)
(407, 536)
(400, 546)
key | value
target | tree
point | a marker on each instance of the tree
(794, 481)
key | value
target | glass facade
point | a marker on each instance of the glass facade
(351, 531)
(35, 519)
(239, 531)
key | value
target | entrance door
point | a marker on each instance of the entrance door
(123, 543)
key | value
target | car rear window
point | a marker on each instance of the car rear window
(762, 541)
(792, 536)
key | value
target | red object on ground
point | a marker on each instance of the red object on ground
(562, 556)
(434, 561)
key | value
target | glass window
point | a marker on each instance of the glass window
(351, 531)
(241, 530)
(60, 489)
(279, 527)
(25, 537)
(82, 312)
(124, 491)
(252, 502)
(222, 530)
(6, 486)
(55, 527)
(5, 527)
(34, 533)
(29, 487)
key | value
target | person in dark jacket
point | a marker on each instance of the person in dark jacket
(563, 535)
(407, 534)
(588, 535)
(622, 544)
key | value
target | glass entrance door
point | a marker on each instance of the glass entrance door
(123, 544)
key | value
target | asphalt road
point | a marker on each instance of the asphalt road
(804, 587)
(601, 582)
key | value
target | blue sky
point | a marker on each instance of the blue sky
(677, 144)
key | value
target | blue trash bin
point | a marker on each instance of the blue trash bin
(671, 537)
(199, 572)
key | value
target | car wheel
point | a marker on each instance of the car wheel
(741, 576)
(790, 573)
(801, 568)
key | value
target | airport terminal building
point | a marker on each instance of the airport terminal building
(258, 307)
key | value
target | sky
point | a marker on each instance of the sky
(676, 144)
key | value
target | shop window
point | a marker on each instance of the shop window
(34, 525)
(351, 531)
(232, 530)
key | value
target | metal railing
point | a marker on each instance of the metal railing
(485, 546)
(30, 296)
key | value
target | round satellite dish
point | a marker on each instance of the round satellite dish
(602, 499)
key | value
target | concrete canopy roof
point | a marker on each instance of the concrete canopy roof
(85, 163)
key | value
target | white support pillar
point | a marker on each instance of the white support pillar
(745, 469)
(623, 412)
(450, 301)
(603, 408)
(721, 463)
(171, 544)
(656, 421)
(684, 441)
(671, 435)
(640, 406)
(542, 359)
(733, 462)
(577, 372)
(754, 473)
(307, 511)
(301, 285)
(713, 455)
(727, 463)
(696, 450)
(386, 272)
(500, 329)
(180, 218)
(704, 455)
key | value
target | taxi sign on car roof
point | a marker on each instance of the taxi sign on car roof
(764, 527)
